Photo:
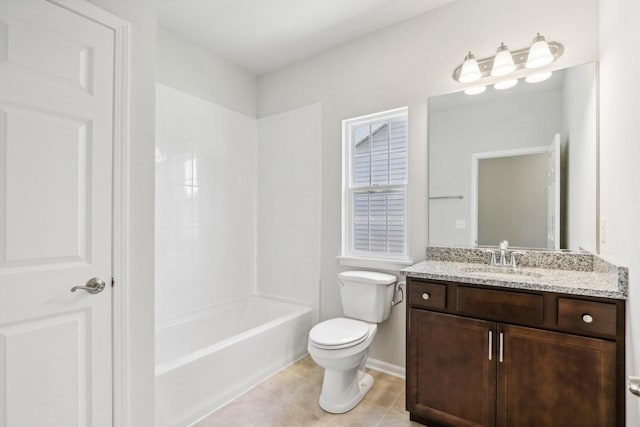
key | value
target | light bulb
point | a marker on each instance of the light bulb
(506, 84)
(476, 90)
(470, 70)
(503, 62)
(539, 53)
(540, 77)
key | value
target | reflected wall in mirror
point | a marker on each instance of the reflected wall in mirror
(524, 161)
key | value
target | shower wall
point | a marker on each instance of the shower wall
(288, 261)
(206, 180)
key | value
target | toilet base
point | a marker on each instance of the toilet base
(356, 392)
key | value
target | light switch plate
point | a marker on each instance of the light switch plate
(461, 224)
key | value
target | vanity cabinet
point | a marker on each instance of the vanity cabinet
(483, 356)
(450, 377)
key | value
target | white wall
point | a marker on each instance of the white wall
(404, 65)
(206, 230)
(212, 228)
(245, 225)
(142, 16)
(288, 259)
(580, 145)
(455, 134)
(206, 161)
(619, 156)
(195, 70)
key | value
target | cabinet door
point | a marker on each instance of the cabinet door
(451, 361)
(553, 379)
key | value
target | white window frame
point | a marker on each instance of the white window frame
(369, 259)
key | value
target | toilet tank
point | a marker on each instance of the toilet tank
(366, 295)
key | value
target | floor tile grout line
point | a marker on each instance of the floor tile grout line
(388, 410)
(382, 418)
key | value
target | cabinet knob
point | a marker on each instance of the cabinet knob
(587, 318)
(426, 296)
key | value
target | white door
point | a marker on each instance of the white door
(56, 100)
(553, 194)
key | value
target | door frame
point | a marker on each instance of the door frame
(120, 204)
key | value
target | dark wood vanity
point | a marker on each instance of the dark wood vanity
(494, 356)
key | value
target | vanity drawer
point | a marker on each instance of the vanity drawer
(427, 295)
(506, 306)
(587, 316)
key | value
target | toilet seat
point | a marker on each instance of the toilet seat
(338, 333)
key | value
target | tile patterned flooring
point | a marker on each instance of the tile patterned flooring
(290, 399)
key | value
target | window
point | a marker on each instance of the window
(375, 186)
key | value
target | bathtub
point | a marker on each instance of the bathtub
(209, 357)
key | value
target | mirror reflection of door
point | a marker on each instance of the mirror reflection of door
(553, 194)
(518, 196)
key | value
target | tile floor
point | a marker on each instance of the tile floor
(290, 399)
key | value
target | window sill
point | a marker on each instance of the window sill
(375, 263)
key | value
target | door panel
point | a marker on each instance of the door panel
(51, 228)
(31, 376)
(39, 50)
(56, 102)
(451, 357)
(553, 379)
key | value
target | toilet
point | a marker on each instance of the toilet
(341, 345)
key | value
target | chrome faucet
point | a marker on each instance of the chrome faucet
(504, 245)
(503, 253)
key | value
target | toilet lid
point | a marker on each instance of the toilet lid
(339, 332)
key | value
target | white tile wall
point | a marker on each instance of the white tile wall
(206, 181)
(222, 198)
(288, 250)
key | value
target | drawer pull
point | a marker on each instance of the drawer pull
(426, 296)
(587, 318)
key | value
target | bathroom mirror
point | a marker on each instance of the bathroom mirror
(517, 164)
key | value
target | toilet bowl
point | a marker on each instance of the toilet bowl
(341, 345)
(345, 380)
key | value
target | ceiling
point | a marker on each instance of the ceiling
(264, 35)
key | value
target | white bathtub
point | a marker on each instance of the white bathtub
(207, 358)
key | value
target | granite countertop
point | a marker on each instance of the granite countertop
(570, 273)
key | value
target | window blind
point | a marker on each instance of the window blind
(377, 187)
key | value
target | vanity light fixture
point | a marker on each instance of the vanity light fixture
(506, 84)
(537, 78)
(469, 70)
(539, 53)
(503, 62)
(506, 62)
(476, 90)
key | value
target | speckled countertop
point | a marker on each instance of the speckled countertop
(562, 272)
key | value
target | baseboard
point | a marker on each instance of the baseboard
(386, 368)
